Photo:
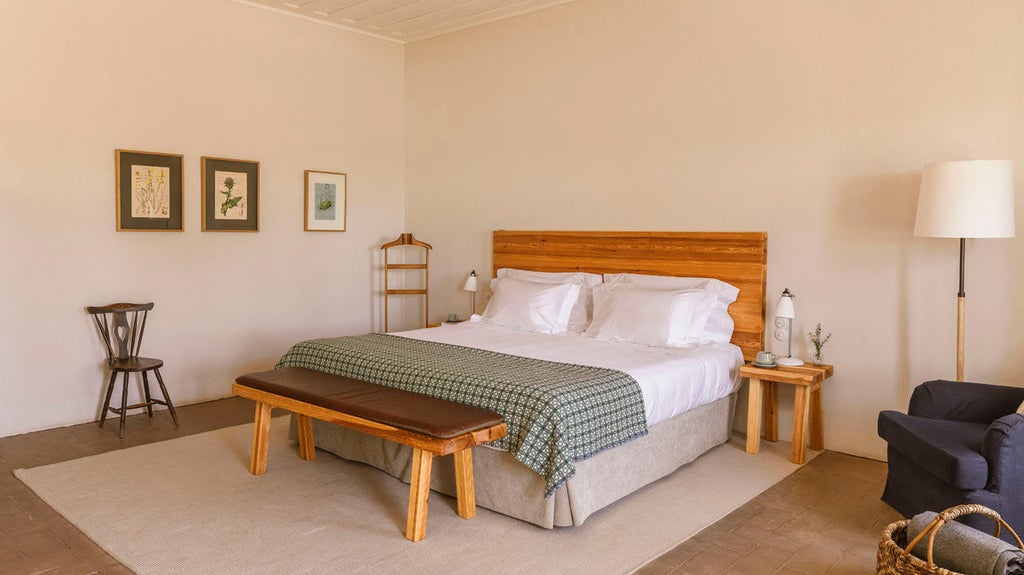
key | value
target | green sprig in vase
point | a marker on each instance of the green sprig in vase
(819, 343)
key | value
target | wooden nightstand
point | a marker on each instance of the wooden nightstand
(807, 412)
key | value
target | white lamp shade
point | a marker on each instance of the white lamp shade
(972, 199)
(785, 307)
(470, 284)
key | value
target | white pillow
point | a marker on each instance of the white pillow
(1020, 409)
(531, 306)
(582, 311)
(585, 278)
(719, 326)
(727, 293)
(664, 318)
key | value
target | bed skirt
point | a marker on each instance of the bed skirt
(510, 488)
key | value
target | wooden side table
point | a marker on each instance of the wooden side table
(807, 411)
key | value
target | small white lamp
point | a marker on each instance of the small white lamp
(972, 199)
(786, 309)
(471, 286)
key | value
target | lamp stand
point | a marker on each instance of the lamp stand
(961, 297)
(789, 360)
(471, 286)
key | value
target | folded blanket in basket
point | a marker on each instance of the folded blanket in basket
(966, 550)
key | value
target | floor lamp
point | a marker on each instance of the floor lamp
(972, 199)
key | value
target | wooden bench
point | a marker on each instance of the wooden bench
(431, 426)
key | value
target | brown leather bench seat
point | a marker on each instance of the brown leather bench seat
(430, 425)
(406, 410)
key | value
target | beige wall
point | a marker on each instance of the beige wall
(195, 77)
(809, 120)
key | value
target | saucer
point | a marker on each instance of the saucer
(755, 364)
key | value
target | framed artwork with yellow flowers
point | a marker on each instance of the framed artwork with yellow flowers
(148, 192)
(231, 195)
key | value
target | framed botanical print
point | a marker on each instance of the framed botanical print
(231, 195)
(326, 201)
(148, 191)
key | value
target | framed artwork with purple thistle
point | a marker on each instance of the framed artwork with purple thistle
(148, 191)
(231, 195)
(326, 194)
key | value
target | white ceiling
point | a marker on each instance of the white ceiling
(403, 20)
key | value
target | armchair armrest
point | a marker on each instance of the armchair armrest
(1003, 448)
(964, 401)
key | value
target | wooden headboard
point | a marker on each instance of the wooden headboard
(739, 258)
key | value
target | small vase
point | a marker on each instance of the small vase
(818, 359)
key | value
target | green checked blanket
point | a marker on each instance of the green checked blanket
(556, 413)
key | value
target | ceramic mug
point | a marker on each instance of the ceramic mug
(765, 358)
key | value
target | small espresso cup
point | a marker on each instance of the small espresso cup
(765, 357)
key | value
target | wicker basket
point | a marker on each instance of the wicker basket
(894, 557)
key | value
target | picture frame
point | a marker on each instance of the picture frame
(326, 201)
(231, 195)
(148, 191)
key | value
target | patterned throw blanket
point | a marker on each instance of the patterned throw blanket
(556, 413)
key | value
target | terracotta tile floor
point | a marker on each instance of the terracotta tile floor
(825, 518)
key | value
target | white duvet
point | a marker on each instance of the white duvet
(672, 380)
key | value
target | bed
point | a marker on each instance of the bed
(680, 425)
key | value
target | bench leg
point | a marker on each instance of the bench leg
(464, 487)
(304, 424)
(419, 490)
(260, 439)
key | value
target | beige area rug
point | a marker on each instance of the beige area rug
(189, 505)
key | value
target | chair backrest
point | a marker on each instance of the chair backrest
(121, 325)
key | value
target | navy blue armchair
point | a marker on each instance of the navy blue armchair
(958, 443)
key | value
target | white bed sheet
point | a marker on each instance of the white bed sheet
(672, 380)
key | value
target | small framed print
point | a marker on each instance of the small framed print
(326, 195)
(231, 195)
(148, 191)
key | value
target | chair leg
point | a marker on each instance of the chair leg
(260, 439)
(124, 404)
(106, 402)
(167, 398)
(145, 390)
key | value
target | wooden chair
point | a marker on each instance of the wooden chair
(122, 325)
